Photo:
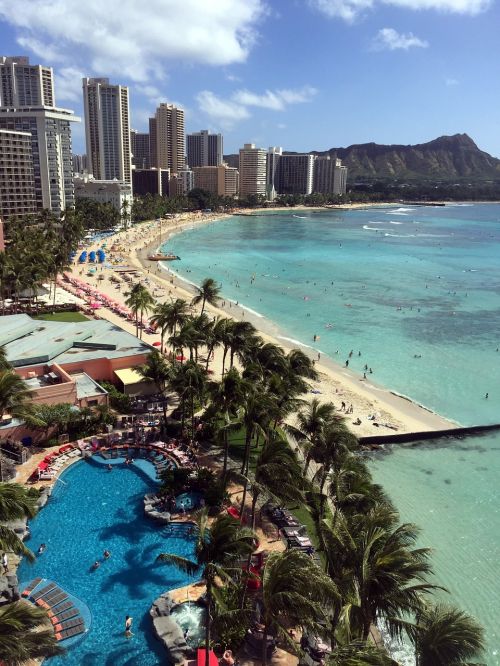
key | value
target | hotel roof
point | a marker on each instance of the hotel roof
(30, 341)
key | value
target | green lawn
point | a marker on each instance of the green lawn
(63, 316)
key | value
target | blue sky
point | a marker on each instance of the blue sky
(302, 74)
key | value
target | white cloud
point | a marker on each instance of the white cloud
(224, 112)
(233, 77)
(68, 84)
(349, 10)
(49, 53)
(124, 37)
(452, 82)
(236, 107)
(389, 39)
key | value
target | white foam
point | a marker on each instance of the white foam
(401, 235)
(256, 314)
(296, 342)
(365, 226)
(394, 222)
(398, 213)
(300, 217)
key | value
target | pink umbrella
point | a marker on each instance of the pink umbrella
(95, 306)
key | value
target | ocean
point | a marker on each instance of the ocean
(414, 292)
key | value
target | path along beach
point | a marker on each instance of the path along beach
(336, 384)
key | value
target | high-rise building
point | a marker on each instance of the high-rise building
(141, 154)
(50, 130)
(151, 181)
(181, 182)
(221, 180)
(252, 168)
(17, 181)
(166, 131)
(22, 84)
(115, 192)
(330, 177)
(204, 149)
(273, 157)
(294, 174)
(107, 130)
(79, 163)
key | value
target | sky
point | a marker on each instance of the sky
(301, 74)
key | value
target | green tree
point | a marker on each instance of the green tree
(14, 395)
(208, 292)
(219, 550)
(16, 503)
(25, 633)
(295, 593)
(446, 636)
(139, 301)
(159, 372)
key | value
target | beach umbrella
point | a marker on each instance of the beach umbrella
(95, 306)
(157, 344)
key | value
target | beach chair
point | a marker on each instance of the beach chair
(69, 624)
(69, 633)
(44, 590)
(59, 617)
(52, 612)
(53, 601)
(29, 589)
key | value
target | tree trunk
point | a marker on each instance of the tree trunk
(246, 455)
(202, 310)
(254, 504)
(264, 645)
(209, 353)
(224, 358)
(226, 451)
(208, 623)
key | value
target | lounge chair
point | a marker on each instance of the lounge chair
(52, 612)
(29, 589)
(69, 624)
(53, 601)
(45, 590)
(68, 633)
(59, 617)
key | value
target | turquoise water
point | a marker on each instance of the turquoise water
(92, 509)
(394, 283)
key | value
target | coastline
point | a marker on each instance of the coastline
(335, 383)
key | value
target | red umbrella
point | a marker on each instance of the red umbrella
(156, 344)
(180, 358)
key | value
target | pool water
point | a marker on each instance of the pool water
(189, 501)
(91, 510)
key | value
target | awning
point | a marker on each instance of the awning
(200, 658)
(129, 376)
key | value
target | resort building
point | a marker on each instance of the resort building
(167, 138)
(204, 149)
(151, 181)
(221, 180)
(115, 192)
(330, 177)
(107, 130)
(274, 154)
(22, 84)
(50, 130)
(294, 174)
(181, 182)
(17, 181)
(252, 169)
(141, 154)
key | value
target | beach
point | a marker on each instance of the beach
(336, 384)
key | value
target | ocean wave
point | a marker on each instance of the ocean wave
(394, 222)
(401, 235)
(398, 213)
(401, 210)
(365, 226)
(300, 217)
(254, 312)
(296, 342)
(433, 235)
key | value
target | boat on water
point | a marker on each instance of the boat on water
(158, 256)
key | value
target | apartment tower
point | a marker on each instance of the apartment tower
(204, 149)
(294, 174)
(107, 129)
(22, 84)
(167, 138)
(330, 177)
(141, 154)
(17, 181)
(252, 168)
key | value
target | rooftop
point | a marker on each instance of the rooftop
(29, 342)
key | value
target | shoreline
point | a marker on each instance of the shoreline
(335, 383)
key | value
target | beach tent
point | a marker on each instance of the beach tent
(83, 257)
(92, 256)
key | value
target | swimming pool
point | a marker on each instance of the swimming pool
(92, 509)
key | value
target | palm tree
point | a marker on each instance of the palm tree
(295, 593)
(446, 636)
(311, 422)
(25, 634)
(4, 364)
(189, 382)
(14, 395)
(360, 653)
(226, 396)
(219, 550)
(278, 474)
(208, 292)
(15, 503)
(168, 316)
(159, 372)
(139, 301)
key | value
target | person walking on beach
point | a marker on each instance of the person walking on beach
(5, 563)
(128, 626)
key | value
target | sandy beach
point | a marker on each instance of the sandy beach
(336, 384)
